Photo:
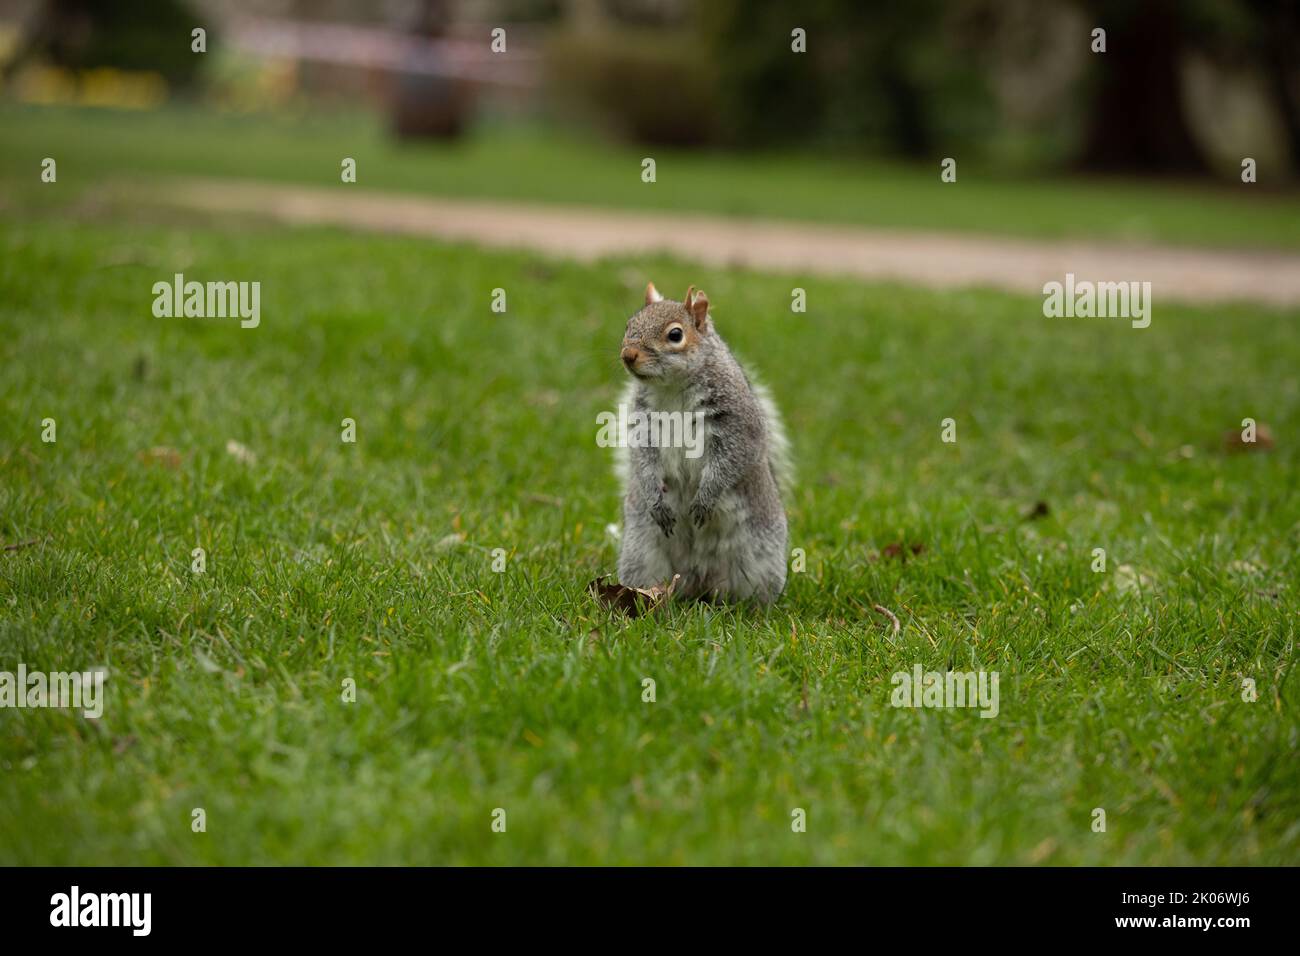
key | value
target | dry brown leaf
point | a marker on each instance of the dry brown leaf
(900, 551)
(1232, 440)
(161, 455)
(633, 602)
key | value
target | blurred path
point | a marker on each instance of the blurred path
(942, 260)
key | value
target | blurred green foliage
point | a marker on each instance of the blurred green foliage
(146, 35)
(894, 77)
(937, 78)
(653, 86)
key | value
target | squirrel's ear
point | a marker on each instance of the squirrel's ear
(652, 294)
(697, 304)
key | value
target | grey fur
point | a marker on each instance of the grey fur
(716, 520)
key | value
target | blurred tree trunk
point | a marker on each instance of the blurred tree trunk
(430, 104)
(1279, 24)
(1136, 121)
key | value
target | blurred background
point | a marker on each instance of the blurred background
(1182, 85)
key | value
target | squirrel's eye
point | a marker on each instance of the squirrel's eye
(675, 334)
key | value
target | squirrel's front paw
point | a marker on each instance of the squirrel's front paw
(663, 516)
(700, 513)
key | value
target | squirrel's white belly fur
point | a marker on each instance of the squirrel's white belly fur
(705, 550)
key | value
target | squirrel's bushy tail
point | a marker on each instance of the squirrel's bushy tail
(778, 445)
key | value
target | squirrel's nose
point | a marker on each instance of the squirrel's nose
(630, 355)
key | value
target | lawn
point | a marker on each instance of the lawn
(479, 690)
(510, 161)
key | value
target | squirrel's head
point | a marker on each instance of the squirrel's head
(663, 340)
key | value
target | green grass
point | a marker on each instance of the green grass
(479, 690)
(526, 164)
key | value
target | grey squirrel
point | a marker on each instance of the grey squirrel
(716, 519)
